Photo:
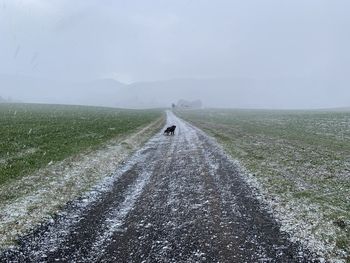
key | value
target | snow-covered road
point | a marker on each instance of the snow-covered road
(178, 199)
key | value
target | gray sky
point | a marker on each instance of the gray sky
(151, 40)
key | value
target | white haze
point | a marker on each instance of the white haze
(247, 54)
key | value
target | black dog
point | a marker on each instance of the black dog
(170, 130)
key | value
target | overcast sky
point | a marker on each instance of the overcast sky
(157, 40)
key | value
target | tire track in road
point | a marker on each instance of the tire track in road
(178, 199)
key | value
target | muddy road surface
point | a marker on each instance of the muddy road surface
(178, 199)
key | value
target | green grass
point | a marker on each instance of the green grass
(297, 155)
(33, 135)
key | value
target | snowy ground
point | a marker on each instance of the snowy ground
(39, 196)
(177, 199)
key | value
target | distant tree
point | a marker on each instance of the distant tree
(173, 105)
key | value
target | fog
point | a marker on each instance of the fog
(141, 54)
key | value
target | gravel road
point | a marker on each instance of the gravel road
(177, 199)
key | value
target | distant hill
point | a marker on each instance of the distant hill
(103, 92)
(246, 93)
(9, 100)
(234, 93)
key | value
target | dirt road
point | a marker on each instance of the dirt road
(178, 199)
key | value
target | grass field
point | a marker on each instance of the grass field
(300, 158)
(33, 136)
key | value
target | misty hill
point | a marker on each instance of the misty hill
(99, 92)
(233, 93)
(8, 100)
(245, 92)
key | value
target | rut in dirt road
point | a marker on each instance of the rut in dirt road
(178, 199)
